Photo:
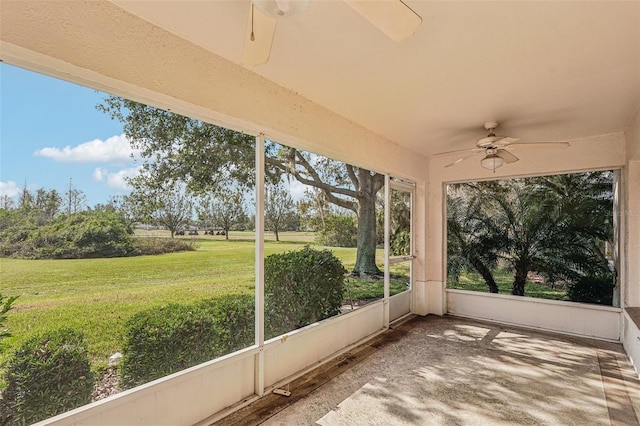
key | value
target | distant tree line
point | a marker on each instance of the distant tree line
(46, 224)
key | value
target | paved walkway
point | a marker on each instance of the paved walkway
(453, 371)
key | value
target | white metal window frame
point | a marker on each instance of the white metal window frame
(390, 183)
(407, 187)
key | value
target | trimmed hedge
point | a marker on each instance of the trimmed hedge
(50, 374)
(593, 289)
(301, 287)
(165, 340)
(234, 321)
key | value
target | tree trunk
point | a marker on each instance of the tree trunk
(226, 233)
(519, 280)
(486, 275)
(366, 238)
(275, 231)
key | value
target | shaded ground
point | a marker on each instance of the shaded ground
(451, 371)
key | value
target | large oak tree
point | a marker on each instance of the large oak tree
(206, 157)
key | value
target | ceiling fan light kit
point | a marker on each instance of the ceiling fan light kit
(491, 162)
(497, 149)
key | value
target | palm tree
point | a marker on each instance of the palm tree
(472, 238)
(553, 225)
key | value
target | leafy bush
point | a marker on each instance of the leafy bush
(87, 234)
(48, 375)
(234, 316)
(162, 341)
(14, 230)
(338, 231)
(102, 234)
(149, 245)
(301, 287)
(593, 289)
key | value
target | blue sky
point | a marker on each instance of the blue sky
(50, 132)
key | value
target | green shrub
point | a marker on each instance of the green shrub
(161, 341)
(48, 375)
(150, 245)
(102, 234)
(338, 231)
(234, 316)
(593, 289)
(87, 234)
(165, 340)
(301, 287)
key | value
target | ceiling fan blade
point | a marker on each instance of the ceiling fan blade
(460, 160)
(456, 152)
(507, 156)
(392, 17)
(507, 140)
(262, 27)
(541, 145)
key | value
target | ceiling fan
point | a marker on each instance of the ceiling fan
(497, 149)
(392, 17)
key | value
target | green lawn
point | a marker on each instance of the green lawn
(504, 279)
(97, 296)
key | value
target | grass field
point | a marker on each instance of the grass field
(97, 296)
(504, 279)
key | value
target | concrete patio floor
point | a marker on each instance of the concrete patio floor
(455, 371)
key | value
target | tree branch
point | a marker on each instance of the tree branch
(352, 175)
(316, 182)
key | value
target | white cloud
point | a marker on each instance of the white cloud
(116, 180)
(99, 174)
(9, 188)
(115, 150)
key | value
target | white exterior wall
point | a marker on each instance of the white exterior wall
(399, 305)
(179, 399)
(580, 319)
(630, 241)
(630, 213)
(304, 349)
(631, 340)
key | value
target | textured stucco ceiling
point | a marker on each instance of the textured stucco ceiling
(545, 70)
